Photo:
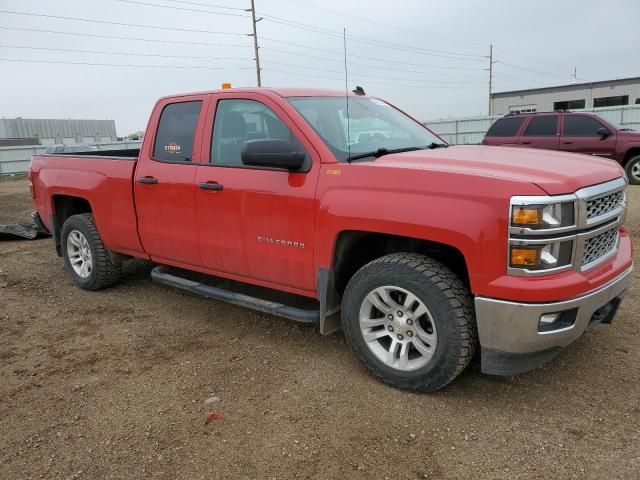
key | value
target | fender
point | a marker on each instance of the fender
(625, 149)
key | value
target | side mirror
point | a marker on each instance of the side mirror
(604, 132)
(271, 153)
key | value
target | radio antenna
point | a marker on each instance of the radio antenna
(346, 93)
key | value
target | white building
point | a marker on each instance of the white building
(609, 93)
(43, 131)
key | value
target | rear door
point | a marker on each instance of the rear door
(256, 223)
(542, 131)
(504, 131)
(580, 135)
(164, 181)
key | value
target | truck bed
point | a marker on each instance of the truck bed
(104, 179)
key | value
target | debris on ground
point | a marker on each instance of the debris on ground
(214, 416)
(14, 231)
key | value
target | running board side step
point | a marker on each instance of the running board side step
(265, 306)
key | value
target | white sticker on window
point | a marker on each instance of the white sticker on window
(379, 102)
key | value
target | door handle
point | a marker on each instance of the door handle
(526, 143)
(567, 143)
(210, 186)
(148, 180)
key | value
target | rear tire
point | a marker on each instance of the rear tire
(632, 169)
(419, 309)
(87, 259)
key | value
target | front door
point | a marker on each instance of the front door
(164, 183)
(256, 223)
(580, 135)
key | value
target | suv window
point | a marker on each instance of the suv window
(176, 131)
(505, 127)
(543, 126)
(237, 121)
(581, 126)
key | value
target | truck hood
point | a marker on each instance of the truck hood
(555, 172)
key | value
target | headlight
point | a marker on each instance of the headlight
(538, 229)
(541, 256)
(625, 204)
(542, 216)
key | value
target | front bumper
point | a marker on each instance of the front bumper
(509, 331)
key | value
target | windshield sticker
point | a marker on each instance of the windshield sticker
(379, 102)
(172, 148)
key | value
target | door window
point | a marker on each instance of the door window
(581, 126)
(505, 127)
(237, 121)
(176, 131)
(543, 126)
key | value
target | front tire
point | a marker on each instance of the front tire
(87, 259)
(632, 169)
(410, 320)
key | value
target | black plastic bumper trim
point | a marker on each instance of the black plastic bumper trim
(506, 363)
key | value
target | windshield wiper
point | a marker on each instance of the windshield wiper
(437, 145)
(385, 151)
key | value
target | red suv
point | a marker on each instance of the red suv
(570, 132)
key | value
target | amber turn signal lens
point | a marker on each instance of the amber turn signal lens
(526, 216)
(525, 257)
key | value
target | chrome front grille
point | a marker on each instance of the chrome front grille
(599, 246)
(605, 204)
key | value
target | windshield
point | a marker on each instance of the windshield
(374, 126)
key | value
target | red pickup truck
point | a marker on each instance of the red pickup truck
(421, 252)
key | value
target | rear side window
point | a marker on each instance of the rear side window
(505, 127)
(176, 131)
(581, 126)
(543, 126)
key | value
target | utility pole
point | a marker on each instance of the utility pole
(255, 41)
(490, 74)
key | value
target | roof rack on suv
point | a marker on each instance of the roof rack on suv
(512, 114)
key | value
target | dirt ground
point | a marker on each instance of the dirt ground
(112, 385)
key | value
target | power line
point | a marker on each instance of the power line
(525, 69)
(514, 77)
(115, 37)
(359, 79)
(182, 67)
(106, 22)
(147, 4)
(309, 47)
(28, 47)
(407, 48)
(366, 65)
(380, 24)
(289, 52)
(366, 75)
(224, 7)
(106, 52)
